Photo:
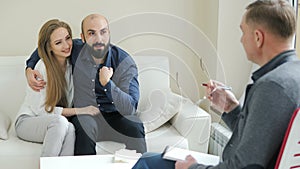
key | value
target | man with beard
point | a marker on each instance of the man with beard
(105, 76)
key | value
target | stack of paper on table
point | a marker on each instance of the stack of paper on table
(126, 156)
(174, 153)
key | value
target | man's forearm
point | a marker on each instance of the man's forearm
(231, 118)
(124, 102)
(32, 61)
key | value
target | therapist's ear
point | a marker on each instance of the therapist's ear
(259, 38)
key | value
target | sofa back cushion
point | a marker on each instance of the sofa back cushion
(157, 104)
(153, 75)
(13, 84)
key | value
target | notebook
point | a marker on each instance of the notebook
(174, 153)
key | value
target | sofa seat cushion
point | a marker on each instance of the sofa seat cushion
(156, 140)
(166, 135)
(17, 147)
(19, 162)
(15, 151)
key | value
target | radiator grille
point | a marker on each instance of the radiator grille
(218, 139)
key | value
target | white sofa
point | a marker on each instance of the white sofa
(188, 127)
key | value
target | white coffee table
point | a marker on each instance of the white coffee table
(80, 162)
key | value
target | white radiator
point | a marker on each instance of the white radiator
(218, 139)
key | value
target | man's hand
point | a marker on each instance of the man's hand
(185, 164)
(35, 79)
(222, 100)
(91, 110)
(105, 73)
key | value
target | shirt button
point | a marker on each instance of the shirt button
(112, 102)
(98, 105)
(93, 80)
(105, 90)
(95, 65)
(93, 90)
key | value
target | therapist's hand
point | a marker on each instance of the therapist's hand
(222, 99)
(185, 164)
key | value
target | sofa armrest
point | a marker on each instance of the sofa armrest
(193, 123)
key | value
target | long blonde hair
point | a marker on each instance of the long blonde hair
(56, 82)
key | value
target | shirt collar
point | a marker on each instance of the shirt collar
(281, 58)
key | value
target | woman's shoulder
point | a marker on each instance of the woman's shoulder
(40, 66)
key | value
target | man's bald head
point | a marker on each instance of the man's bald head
(91, 19)
(95, 33)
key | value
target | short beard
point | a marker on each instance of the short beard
(99, 54)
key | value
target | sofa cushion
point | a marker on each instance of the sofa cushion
(17, 147)
(164, 136)
(16, 153)
(153, 75)
(4, 126)
(13, 84)
(160, 107)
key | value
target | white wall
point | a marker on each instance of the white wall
(21, 20)
(233, 67)
(187, 31)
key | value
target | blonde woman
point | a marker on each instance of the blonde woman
(42, 117)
